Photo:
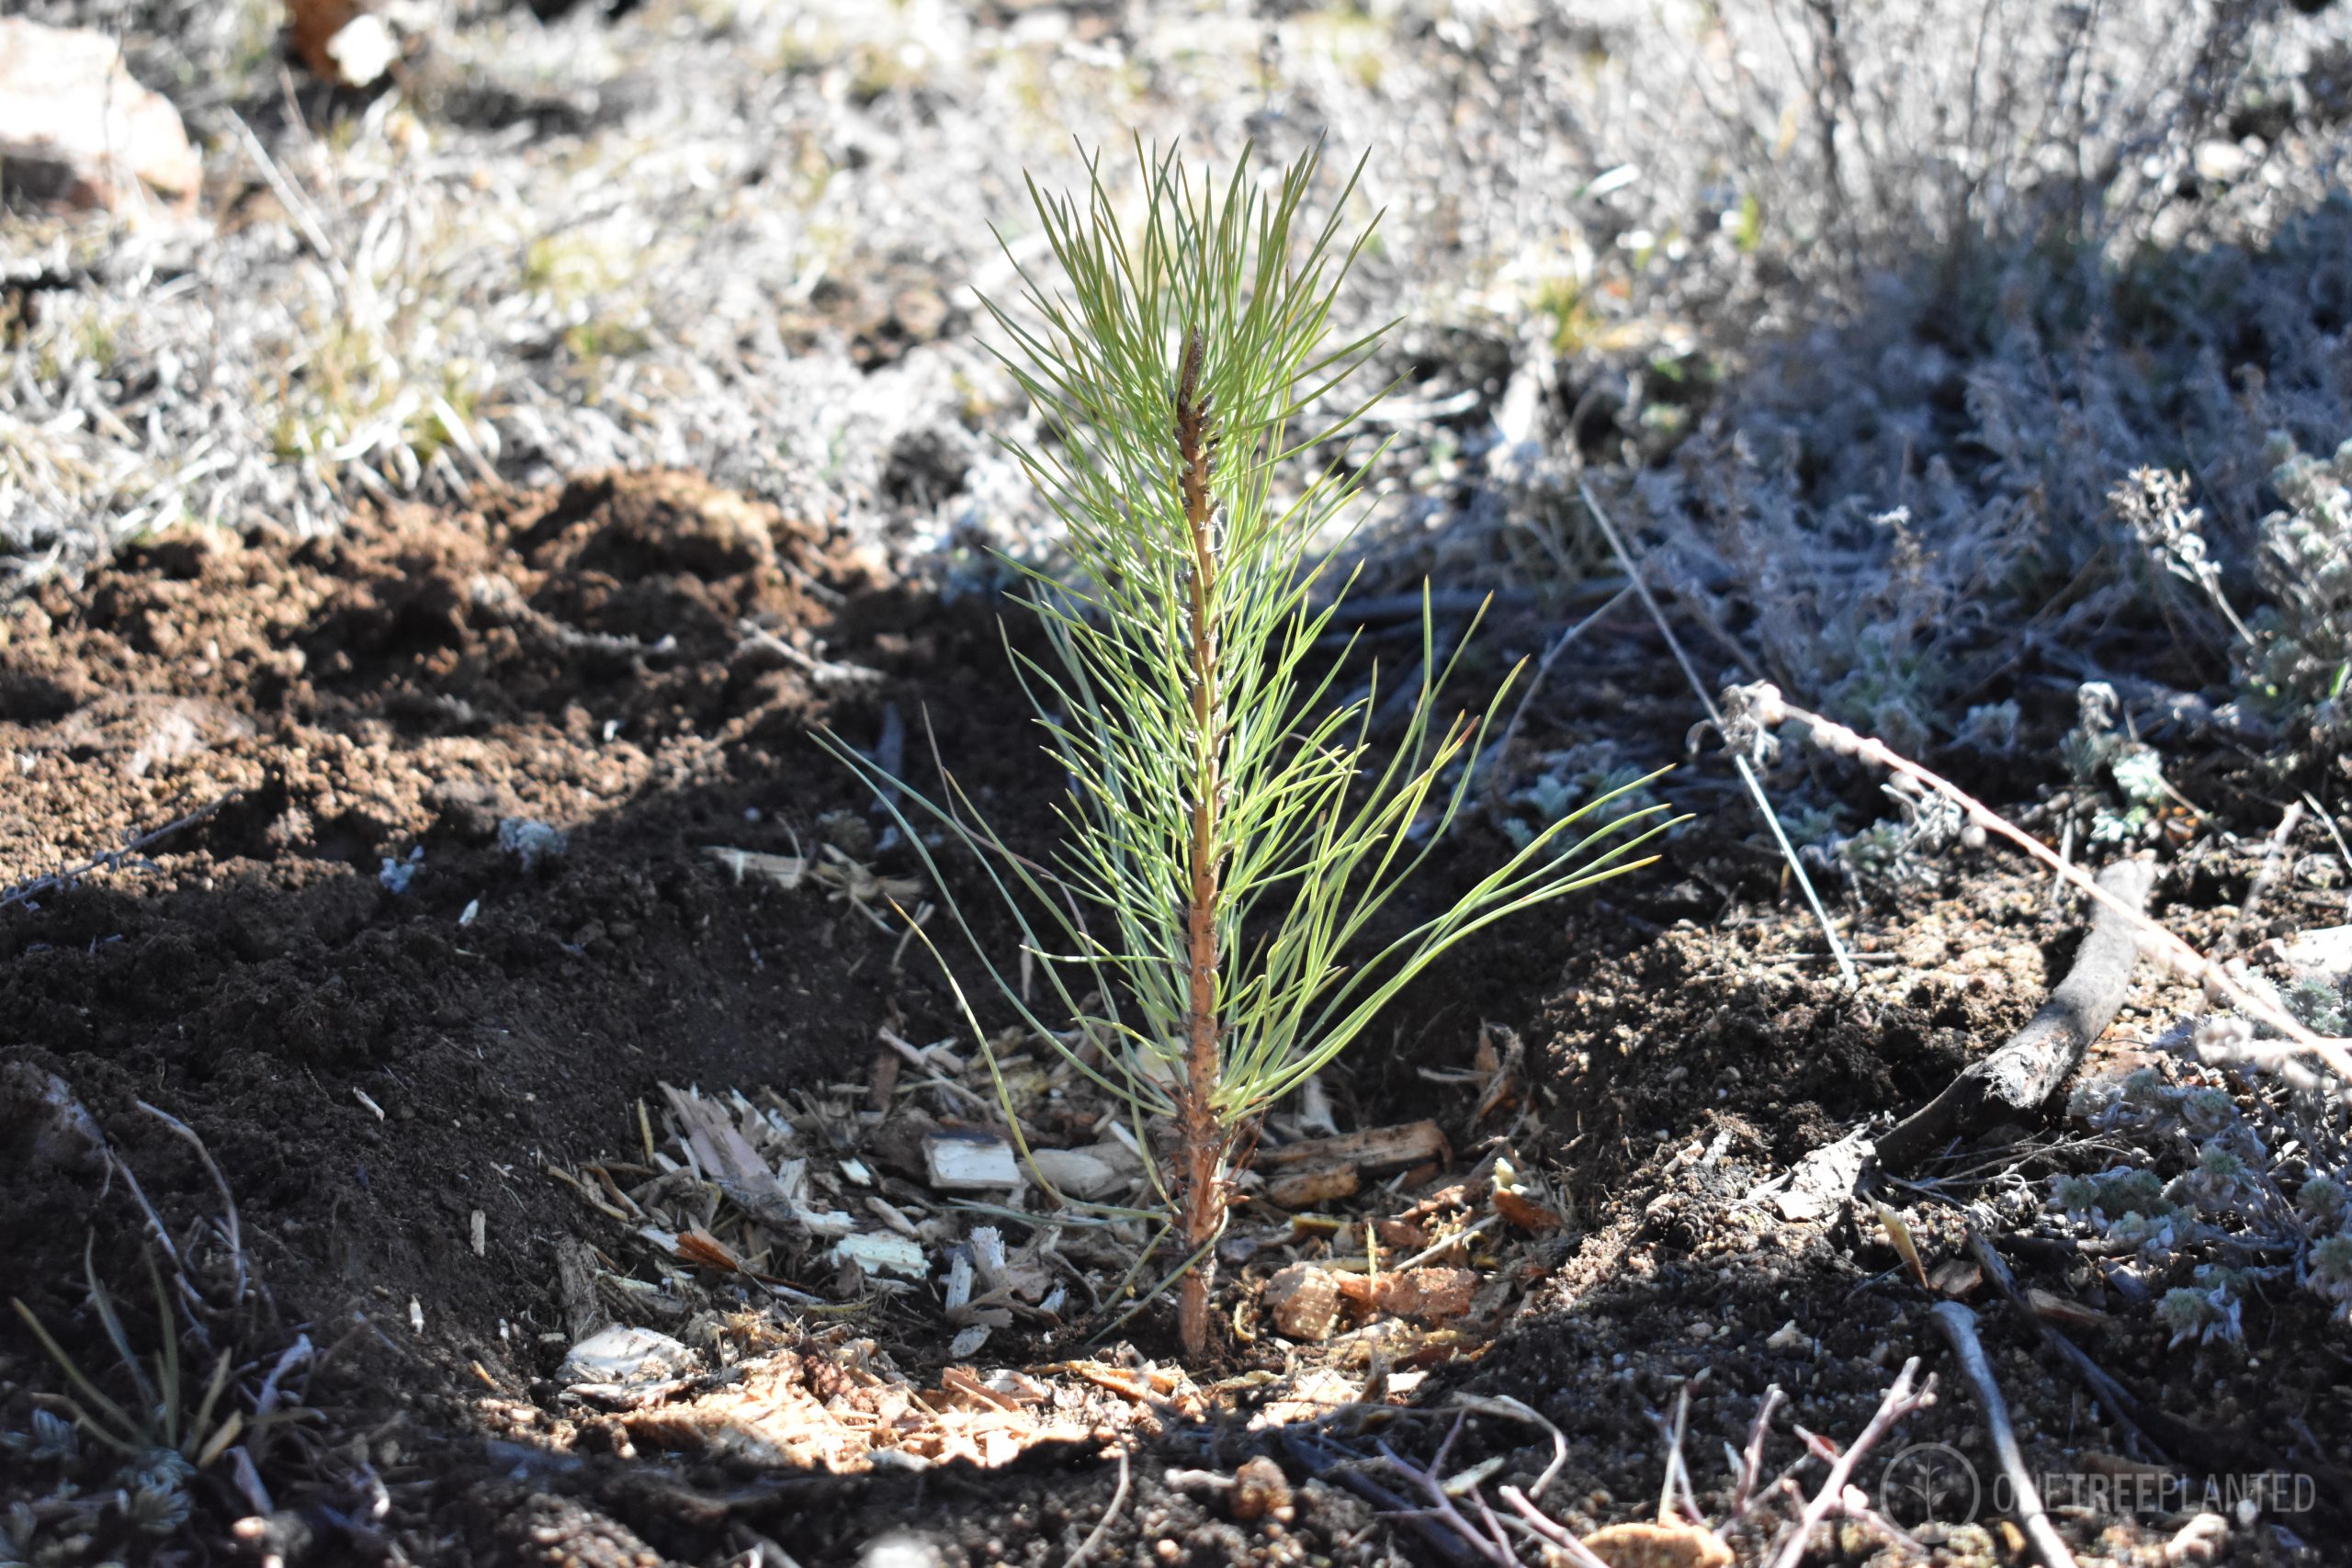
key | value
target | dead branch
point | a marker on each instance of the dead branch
(1959, 1326)
(1757, 709)
(57, 881)
(2013, 1083)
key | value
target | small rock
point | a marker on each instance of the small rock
(899, 1550)
(2222, 162)
(76, 130)
(41, 1123)
(1260, 1490)
(1639, 1545)
(1956, 1276)
(1304, 1302)
(623, 1357)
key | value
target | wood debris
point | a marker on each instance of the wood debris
(1304, 1302)
(908, 1191)
(964, 1162)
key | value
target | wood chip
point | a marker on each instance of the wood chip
(1315, 1184)
(1304, 1302)
(1084, 1173)
(883, 1255)
(1525, 1213)
(1373, 1149)
(964, 1162)
(2067, 1314)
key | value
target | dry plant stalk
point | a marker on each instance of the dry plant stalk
(1754, 711)
(1230, 833)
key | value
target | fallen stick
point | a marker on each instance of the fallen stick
(2209, 1450)
(1373, 1149)
(25, 892)
(2013, 1083)
(1959, 1326)
(1754, 711)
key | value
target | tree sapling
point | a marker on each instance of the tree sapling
(1230, 834)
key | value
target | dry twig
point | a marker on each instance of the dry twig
(2017, 1080)
(1102, 1526)
(1900, 1400)
(1959, 1326)
(1760, 708)
(25, 892)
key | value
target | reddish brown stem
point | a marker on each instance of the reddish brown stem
(1202, 1142)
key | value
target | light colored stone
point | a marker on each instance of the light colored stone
(76, 130)
(626, 1356)
(1260, 1490)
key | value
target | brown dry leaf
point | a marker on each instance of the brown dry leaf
(699, 1247)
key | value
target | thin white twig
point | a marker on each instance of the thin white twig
(1102, 1526)
(231, 1228)
(2342, 849)
(1504, 1405)
(1768, 707)
(1544, 667)
(1959, 1326)
(1900, 1400)
(1576, 1550)
(1846, 969)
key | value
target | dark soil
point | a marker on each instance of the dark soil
(638, 660)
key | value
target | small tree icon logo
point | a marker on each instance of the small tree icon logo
(1929, 1483)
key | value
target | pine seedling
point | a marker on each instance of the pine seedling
(1230, 835)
